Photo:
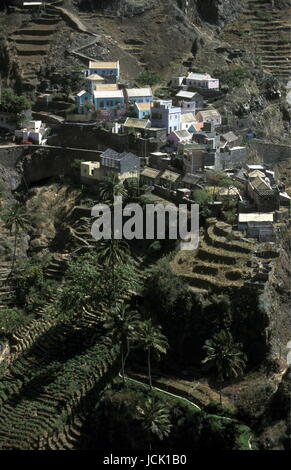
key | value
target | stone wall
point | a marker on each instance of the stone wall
(36, 163)
(269, 152)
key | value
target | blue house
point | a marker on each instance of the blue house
(165, 115)
(84, 101)
(107, 70)
(139, 95)
(142, 110)
(106, 99)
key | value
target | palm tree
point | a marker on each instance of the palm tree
(17, 218)
(122, 324)
(151, 338)
(111, 252)
(224, 357)
(155, 419)
(112, 187)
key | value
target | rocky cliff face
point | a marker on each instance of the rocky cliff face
(217, 12)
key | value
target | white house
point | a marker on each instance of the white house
(165, 115)
(35, 131)
(202, 80)
(187, 120)
(257, 225)
(177, 82)
(90, 172)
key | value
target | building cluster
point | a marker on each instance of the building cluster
(191, 146)
(179, 143)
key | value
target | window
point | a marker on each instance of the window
(101, 104)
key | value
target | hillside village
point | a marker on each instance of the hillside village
(79, 316)
(185, 145)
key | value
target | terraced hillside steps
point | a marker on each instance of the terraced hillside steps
(223, 260)
(266, 31)
(41, 401)
(32, 43)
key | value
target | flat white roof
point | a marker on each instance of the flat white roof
(95, 164)
(200, 76)
(255, 167)
(256, 217)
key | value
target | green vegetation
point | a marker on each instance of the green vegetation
(148, 78)
(12, 103)
(11, 320)
(15, 219)
(224, 358)
(235, 76)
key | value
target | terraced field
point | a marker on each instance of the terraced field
(222, 260)
(32, 43)
(265, 31)
(42, 401)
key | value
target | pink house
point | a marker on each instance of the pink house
(202, 80)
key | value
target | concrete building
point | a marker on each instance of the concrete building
(165, 115)
(149, 176)
(188, 121)
(202, 80)
(139, 95)
(143, 110)
(209, 115)
(93, 81)
(170, 179)
(110, 71)
(179, 136)
(90, 172)
(34, 131)
(125, 164)
(257, 225)
(134, 124)
(189, 101)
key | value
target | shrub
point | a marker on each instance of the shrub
(148, 78)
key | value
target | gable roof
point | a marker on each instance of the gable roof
(229, 136)
(188, 117)
(132, 92)
(144, 106)
(81, 93)
(137, 123)
(259, 183)
(103, 65)
(95, 76)
(255, 173)
(107, 87)
(184, 134)
(108, 94)
(112, 154)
